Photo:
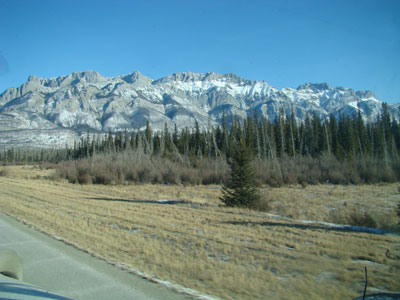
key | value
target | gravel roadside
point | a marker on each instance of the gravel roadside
(62, 269)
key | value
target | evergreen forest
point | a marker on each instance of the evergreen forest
(284, 151)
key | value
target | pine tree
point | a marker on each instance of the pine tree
(317, 141)
(225, 135)
(308, 136)
(148, 138)
(132, 145)
(175, 136)
(398, 210)
(279, 133)
(387, 132)
(241, 188)
(396, 134)
(167, 141)
(110, 143)
(333, 130)
(156, 143)
(126, 140)
(197, 138)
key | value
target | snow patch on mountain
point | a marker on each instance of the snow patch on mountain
(88, 100)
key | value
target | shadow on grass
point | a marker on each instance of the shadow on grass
(159, 202)
(311, 226)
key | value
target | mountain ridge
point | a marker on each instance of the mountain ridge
(88, 100)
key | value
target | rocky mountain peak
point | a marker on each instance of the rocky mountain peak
(180, 76)
(136, 77)
(88, 76)
(32, 78)
(90, 101)
(211, 76)
(314, 86)
(92, 76)
(231, 77)
(366, 94)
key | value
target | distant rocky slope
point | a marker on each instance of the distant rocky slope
(55, 111)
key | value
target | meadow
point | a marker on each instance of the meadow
(183, 234)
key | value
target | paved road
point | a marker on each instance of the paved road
(62, 269)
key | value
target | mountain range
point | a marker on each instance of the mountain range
(53, 112)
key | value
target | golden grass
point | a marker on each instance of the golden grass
(227, 252)
(325, 202)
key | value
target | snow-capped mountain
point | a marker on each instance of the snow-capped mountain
(55, 111)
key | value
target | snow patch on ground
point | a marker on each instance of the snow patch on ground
(331, 225)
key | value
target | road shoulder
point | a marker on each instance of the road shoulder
(61, 268)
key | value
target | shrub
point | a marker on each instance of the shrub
(263, 203)
(363, 219)
(144, 174)
(47, 165)
(386, 174)
(68, 171)
(212, 171)
(131, 175)
(169, 177)
(210, 177)
(101, 176)
(134, 166)
(4, 172)
(84, 178)
(83, 172)
(268, 172)
(189, 176)
(156, 178)
(354, 217)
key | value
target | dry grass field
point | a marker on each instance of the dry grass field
(224, 252)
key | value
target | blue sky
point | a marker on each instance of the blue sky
(349, 43)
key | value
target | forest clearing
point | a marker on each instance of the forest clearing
(182, 234)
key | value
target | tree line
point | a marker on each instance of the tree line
(345, 138)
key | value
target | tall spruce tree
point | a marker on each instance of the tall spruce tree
(241, 188)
